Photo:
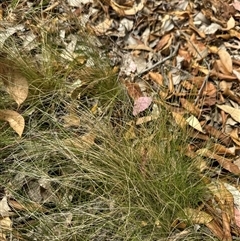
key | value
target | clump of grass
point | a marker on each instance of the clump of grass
(92, 182)
(111, 188)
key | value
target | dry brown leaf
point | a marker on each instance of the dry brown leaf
(227, 92)
(145, 119)
(5, 224)
(222, 137)
(164, 42)
(201, 217)
(219, 67)
(226, 60)
(234, 33)
(188, 86)
(190, 107)
(224, 162)
(17, 86)
(237, 74)
(226, 77)
(197, 48)
(134, 90)
(185, 54)
(209, 90)
(225, 200)
(233, 112)
(156, 77)
(234, 135)
(15, 120)
(124, 10)
(197, 80)
(221, 150)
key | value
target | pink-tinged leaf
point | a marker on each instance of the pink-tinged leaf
(237, 216)
(141, 104)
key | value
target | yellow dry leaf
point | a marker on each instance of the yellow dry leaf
(230, 24)
(198, 217)
(233, 112)
(213, 49)
(15, 120)
(226, 60)
(234, 33)
(5, 224)
(17, 86)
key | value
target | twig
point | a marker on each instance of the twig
(161, 61)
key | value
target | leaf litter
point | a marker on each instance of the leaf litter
(187, 51)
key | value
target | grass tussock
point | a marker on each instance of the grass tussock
(104, 179)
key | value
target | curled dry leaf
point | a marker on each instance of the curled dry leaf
(17, 86)
(15, 120)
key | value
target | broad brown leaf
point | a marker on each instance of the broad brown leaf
(226, 60)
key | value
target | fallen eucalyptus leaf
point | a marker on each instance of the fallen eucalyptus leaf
(15, 120)
(234, 113)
